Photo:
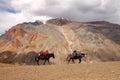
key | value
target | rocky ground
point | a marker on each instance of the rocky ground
(83, 71)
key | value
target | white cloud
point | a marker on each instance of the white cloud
(81, 10)
(10, 19)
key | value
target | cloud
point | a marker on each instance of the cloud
(16, 11)
(10, 19)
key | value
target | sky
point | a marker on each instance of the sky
(13, 12)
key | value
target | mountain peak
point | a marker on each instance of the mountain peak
(59, 21)
(99, 22)
(105, 23)
(37, 22)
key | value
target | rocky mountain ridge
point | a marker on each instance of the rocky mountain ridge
(100, 40)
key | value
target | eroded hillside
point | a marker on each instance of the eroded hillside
(100, 40)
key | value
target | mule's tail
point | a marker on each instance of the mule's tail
(68, 57)
(36, 58)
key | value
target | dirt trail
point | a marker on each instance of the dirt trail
(83, 71)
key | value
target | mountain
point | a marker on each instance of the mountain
(100, 40)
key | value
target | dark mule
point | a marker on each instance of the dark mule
(72, 57)
(45, 58)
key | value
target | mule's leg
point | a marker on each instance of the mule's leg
(44, 61)
(79, 60)
(37, 61)
(49, 62)
(69, 60)
(73, 61)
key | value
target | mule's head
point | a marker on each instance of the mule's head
(83, 54)
(52, 55)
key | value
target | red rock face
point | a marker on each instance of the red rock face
(59, 21)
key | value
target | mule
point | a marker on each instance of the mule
(45, 58)
(73, 57)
